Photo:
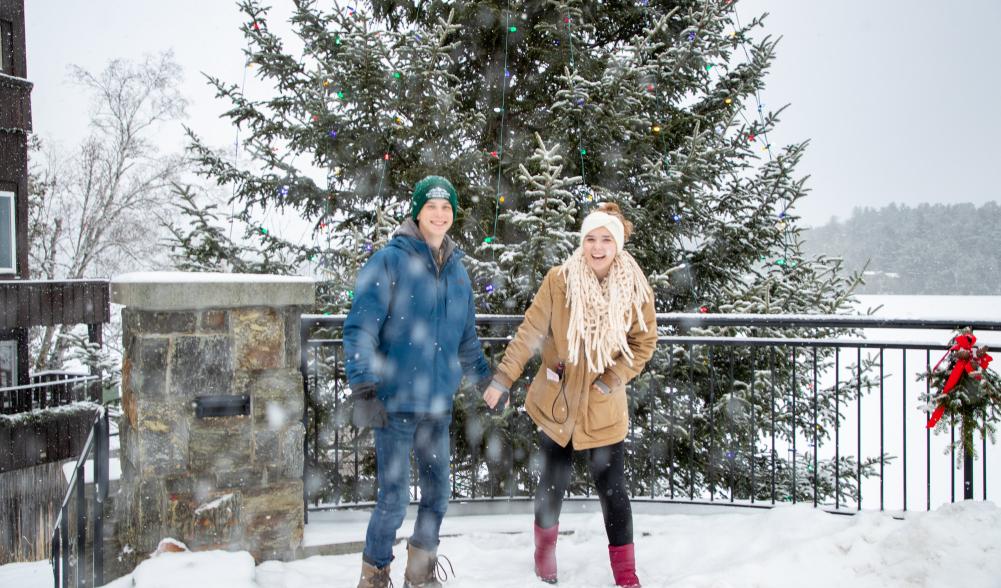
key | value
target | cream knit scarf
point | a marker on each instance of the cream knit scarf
(602, 313)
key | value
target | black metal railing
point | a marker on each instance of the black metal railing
(78, 557)
(50, 389)
(738, 409)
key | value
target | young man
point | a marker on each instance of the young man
(408, 340)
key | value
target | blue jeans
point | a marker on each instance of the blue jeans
(427, 436)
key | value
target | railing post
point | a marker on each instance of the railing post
(81, 523)
(101, 455)
(304, 329)
(55, 558)
(967, 475)
(64, 541)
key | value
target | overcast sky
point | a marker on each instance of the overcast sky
(897, 97)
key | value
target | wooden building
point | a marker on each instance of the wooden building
(15, 124)
(34, 441)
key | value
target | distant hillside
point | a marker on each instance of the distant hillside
(929, 249)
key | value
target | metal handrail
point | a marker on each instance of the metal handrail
(846, 337)
(78, 380)
(98, 444)
(689, 320)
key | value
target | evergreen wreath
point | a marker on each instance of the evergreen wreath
(962, 388)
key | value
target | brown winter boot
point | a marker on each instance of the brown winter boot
(373, 577)
(425, 568)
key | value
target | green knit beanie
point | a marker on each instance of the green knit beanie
(433, 187)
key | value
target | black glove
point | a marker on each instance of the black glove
(366, 408)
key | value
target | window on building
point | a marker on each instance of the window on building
(8, 257)
(7, 47)
(8, 363)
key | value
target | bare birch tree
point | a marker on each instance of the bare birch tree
(101, 208)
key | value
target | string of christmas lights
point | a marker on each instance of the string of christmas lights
(568, 21)
(752, 137)
(782, 224)
(498, 154)
(236, 140)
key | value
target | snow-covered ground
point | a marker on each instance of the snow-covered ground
(957, 545)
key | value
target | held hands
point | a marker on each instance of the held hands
(495, 398)
(366, 408)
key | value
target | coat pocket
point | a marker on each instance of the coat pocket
(606, 410)
(549, 398)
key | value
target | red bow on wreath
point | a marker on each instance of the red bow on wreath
(964, 354)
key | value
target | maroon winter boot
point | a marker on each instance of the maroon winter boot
(545, 553)
(623, 561)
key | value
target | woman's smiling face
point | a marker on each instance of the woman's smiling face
(599, 251)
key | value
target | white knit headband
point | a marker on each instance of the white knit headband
(598, 219)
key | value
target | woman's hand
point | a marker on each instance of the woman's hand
(494, 396)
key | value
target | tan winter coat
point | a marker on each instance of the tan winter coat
(572, 408)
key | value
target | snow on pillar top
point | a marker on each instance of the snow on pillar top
(165, 291)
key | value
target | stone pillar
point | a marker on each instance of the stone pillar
(194, 341)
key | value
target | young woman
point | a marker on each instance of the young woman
(593, 319)
(408, 340)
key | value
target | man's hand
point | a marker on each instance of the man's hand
(366, 408)
(495, 398)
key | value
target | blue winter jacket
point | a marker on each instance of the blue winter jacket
(411, 328)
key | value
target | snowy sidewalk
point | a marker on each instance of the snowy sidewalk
(791, 546)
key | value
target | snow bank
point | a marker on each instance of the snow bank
(218, 569)
(787, 547)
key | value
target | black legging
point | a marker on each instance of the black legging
(607, 466)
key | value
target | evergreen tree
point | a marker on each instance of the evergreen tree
(513, 271)
(535, 110)
(926, 249)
